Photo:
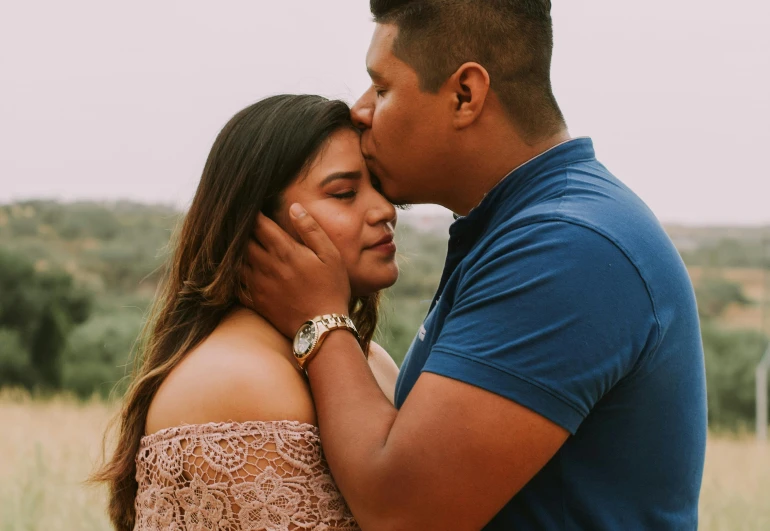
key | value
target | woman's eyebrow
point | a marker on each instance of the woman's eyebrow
(354, 175)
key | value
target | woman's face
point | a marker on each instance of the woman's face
(337, 190)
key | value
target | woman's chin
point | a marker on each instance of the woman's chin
(372, 286)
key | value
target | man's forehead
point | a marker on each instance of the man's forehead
(381, 47)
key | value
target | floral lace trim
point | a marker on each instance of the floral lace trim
(237, 476)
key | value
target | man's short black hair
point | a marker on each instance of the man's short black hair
(512, 39)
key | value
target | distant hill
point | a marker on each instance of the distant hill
(117, 247)
(109, 247)
(690, 237)
(722, 246)
(114, 252)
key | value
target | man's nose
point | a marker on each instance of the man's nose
(362, 111)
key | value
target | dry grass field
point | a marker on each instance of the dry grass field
(47, 448)
(46, 451)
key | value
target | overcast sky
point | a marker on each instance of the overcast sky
(109, 100)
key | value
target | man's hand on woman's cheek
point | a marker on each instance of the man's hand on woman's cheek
(289, 283)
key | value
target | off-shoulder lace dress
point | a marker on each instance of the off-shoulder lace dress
(237, 476)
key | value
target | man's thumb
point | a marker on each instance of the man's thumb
(308, 229)
(297, 211)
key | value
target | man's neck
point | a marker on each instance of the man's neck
(482, 172)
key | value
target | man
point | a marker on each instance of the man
(558, 380)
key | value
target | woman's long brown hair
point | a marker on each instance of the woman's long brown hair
(260, 151)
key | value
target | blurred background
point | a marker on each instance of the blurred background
(107, 114)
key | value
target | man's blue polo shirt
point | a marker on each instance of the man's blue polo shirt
(562, 292)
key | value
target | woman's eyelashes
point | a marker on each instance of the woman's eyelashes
(348, 194)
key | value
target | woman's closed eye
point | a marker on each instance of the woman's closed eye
(348, 194)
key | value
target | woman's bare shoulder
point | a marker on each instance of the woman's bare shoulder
(384, 369)
(243, 371)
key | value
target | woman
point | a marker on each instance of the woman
(218, 429)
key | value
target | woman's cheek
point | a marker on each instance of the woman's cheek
(337, 237)
(339, 226)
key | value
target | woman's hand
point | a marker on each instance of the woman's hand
(290, 283)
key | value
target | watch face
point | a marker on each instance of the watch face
(305, 339)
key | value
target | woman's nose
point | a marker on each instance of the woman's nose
(383, 212)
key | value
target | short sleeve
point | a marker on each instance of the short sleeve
(551, 315)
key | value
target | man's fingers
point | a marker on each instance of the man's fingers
(258, 258)
(244, 293)
(244, 297)
(311, 232)
(272, 237)
(253, 273)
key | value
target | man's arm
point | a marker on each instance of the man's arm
(539, 331)
(450, 458)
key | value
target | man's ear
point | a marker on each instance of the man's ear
(470, 88)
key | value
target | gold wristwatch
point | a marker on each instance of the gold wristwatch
(312, 333)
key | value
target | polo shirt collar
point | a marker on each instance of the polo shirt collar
(568, 152)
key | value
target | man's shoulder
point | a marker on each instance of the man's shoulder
(587, 195)
(550, 242)
(592, 210)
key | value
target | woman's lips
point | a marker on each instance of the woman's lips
(385, 245)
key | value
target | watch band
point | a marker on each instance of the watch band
(323, 325)
(334, 321)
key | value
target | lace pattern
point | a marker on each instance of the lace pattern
(237, 476)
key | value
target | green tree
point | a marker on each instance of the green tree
(727, 252)
(715, 294)
(47, 345)
(731, 360)
(17, 307)
(40, 308)
(15, 367)
(98, 353)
